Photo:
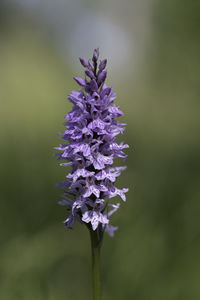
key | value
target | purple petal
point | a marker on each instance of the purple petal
(105, 92)
(94, 218)
(69, 222)
(80, 81)
(115, 208)
(119, 192)
(95, 54)
(93, 85)
(111, 229)
(84, 62)
(89, 73)
(102, 65)
(102, 77)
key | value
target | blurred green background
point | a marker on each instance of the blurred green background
(153, 49)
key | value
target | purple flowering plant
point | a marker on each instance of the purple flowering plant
(90, 147)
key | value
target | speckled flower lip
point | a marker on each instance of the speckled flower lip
(91, 130)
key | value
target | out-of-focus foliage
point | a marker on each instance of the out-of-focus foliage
(155, 254)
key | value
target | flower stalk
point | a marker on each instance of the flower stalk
(96, 273)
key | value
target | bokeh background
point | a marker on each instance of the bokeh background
(153, 50)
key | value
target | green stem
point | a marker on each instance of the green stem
(95, 246)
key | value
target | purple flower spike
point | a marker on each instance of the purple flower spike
(91, 130)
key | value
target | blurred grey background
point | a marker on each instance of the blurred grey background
(153, 63)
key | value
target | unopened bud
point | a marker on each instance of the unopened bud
(101, 77)
(80, 81)
(102, 65)
(95, 55)
(84, 62)
(89, 73)
(93, 85)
